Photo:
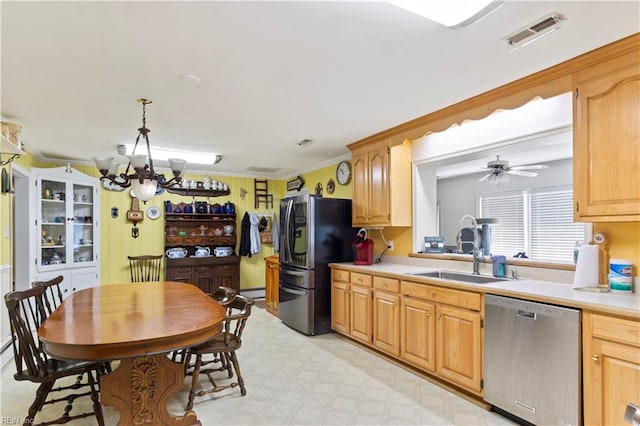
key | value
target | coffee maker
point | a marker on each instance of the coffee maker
(362, 248)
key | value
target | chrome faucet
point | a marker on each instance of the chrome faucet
(477, 258)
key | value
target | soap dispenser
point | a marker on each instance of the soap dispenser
(499, 266)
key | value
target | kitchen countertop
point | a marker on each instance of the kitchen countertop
(623, 304)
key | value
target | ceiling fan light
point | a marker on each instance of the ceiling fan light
(502, 177)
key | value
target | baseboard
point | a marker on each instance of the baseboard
(254, 293)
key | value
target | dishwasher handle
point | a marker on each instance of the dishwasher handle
(526, 314)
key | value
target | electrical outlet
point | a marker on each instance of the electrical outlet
(390, 245)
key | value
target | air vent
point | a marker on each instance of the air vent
(263, 169)
(304, 142)
(534, 31)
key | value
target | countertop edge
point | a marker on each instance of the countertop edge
(546, 291)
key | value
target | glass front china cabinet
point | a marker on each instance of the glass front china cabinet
(67, 233)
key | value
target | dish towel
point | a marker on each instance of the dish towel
(255, 233)
(274, 233)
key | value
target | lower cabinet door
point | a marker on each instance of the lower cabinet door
(340, 318)
(386, 322)
(418, 333)
(205, 278)
(361, 315)
(459, 347)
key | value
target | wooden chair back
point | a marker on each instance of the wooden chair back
(52, 295)
(238, 311)
(223, 295)
(145, 268)
(27, 312)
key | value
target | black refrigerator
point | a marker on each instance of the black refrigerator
(314, 232)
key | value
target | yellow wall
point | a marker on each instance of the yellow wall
(624, 241)
(117, 243)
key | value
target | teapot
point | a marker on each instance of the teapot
(176, 253)
(202, 251)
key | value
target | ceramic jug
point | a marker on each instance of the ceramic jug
(202, 251)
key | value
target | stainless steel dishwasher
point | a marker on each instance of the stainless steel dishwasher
(532, 361)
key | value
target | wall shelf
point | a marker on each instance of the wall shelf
(198, 192)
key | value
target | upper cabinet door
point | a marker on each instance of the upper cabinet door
(607, 142)
(382, 184)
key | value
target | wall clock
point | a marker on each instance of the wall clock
(343, 172)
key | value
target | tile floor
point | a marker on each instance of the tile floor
(292, 379)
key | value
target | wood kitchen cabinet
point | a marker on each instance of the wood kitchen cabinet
(351, 305)
(360, 295)
(606, 133)
(381, 184)
(340, 301)
(611, 363)
(441, 333)
(417, 340)
(386, 315)
(436, 329)
(272, 278)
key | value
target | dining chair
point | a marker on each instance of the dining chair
(145, 268)
(224, 344)
(26, 314)
(52, 298)
(223, 295)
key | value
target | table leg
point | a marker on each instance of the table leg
(140, 388)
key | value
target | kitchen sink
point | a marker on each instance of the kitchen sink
(460, 276)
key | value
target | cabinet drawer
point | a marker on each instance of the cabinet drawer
(361, 279)
(339, 275)
(226, 268)
(462, 299)
(389, 284)
(616, 329)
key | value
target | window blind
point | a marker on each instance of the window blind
(553, 231)
(508, 235)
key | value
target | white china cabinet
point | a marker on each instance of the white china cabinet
(67, 210)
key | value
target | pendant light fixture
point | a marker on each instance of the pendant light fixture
(144, 181)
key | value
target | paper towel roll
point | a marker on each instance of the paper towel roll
(587, 269)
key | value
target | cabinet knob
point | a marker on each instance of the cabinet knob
(438, 316)
(433, 294)
(595, 357)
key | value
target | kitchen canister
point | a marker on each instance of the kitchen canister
(620, 278)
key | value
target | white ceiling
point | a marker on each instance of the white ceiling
(271, 73)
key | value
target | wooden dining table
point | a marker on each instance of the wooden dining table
(138, 324)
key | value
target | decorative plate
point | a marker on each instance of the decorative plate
(153, 212)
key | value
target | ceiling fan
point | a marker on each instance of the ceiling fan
(499, 170)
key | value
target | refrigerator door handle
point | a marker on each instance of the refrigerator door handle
(294, 273)
(296, 292)
(287, 231)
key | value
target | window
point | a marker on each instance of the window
(538, 222)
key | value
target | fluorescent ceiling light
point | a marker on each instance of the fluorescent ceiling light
(190, 157)
(450, 13)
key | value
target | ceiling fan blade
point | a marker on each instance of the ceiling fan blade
(531, 167)
(485, 177)
(521, 173)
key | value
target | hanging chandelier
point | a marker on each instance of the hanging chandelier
(144, 182)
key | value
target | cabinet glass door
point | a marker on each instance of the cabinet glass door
(83, 222)
(53, 223)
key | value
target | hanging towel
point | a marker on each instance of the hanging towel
(276, 237)
(255, 233)
(245, 236)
